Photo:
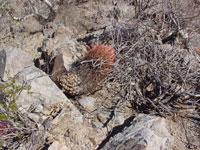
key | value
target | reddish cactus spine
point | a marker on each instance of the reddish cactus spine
(104, 56)
(85, 76)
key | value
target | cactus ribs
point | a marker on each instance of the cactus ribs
(87, 74)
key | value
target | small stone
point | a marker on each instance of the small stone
(158, 42)
(88, 103)
(34, 117)
(11, 62)
(92, 140)
(62, 63)
(39, 109)
(67, 119)
(102, 93)
(50, 138)
(150, 87)
(103, 116)
(79, 55)
(129, 69)
(119, 119)
(98, 125)
(96, 136)
(46, 111)
(57, 145)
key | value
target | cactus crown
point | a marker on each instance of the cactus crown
(103, 58)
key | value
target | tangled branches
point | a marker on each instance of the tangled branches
(15, 128)
(156, 69)
(156, 78)
(160, 78)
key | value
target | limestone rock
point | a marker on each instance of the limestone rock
(43, 91)
(71, 126)
(34, 117)
(62, 63)
(62, 43)
(12, 61)
(96, 136)
(64, 51)
(144, 133)
(88, 103)
(66, 120)
(44, 96)
(119, 119)
(57, 145)
(103, 116)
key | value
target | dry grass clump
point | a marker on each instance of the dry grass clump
(156, 70)
(160, 79)
(156, 78)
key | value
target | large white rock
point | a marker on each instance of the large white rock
(12, 61)
(88, 103)
(145, 133)
(43, 90)
(57, 145)
(43, 93)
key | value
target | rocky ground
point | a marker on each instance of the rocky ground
(126, 111)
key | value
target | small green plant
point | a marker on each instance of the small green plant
(11, 125)
(3, 116)
(11, 90)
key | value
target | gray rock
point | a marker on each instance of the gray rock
(103, 116)
(39, 109)
(68, 119)
(2, 63)
(34, 117)
(70, 124)
(43, 91)
(12, 61)
(145, 133)
(119, 119)
(44, 99)
(97, 125)
(63, 43)
(88, 103)
(58, 145)
(62, 63)
(64, 51)
(43, 96)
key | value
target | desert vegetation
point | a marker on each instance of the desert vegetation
(14, 125)
(142, 53)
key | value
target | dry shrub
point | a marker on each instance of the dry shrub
(170, 16)
(15, 127)
(156, 78)
(155, 68)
